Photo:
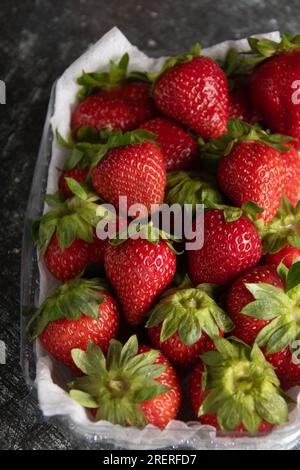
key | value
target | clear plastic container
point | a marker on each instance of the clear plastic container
(179, 436)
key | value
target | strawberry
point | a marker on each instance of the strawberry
(288, 255)
(66, 235)
(144, 270)
(184, 322)
(133, 386)
(273, 83)
(281, 237)
(291, 161)
(264, 306)
(75, 313)
(251, 168)
(193, 90)
(232, 244)
(117, 104)
(178, 147)
(137, 171)
(235, 389)
(247, 327)
(77, 174)
(125, 108)
(240, 106)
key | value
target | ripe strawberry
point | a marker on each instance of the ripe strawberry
(291, 188)
(137, 171)
(76, 312)
(231, 245)
(236, 390)
(66, 235)
(144, 270)
(273, 83)
(270, 316)
(281, 238)
(240, 106)
(77, 174)
(134, 386)
(125, 108)
(288, 255)
(184, 322)
(194, 91)
(247, 327)
(178, 147)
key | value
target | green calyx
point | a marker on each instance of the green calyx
(242, 387)
(169, 63)
(75, 218)
(103, 81)
(70, 300)
(280, 308)
(91, 145)
(262, 49)
(190, 312)
(284, 229)
(249, 209)
(118, 384)
(240, 131)
(191, 188)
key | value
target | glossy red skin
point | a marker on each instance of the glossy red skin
(61, 336)
(176, 351)
(246, 327)
(272, 93)
(137, 171)
(197, 397)
(178, 147)
(254, 172)
(78, 174)
(161, 410)
(124, 108)
(291, 162)
(69, 263)
(240, 105)
(139, 271)
(229, 249)
(196, 94)
(287, 254)
(286, 370)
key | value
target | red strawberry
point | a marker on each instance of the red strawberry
(269, 315)
(144, 270)
(291, 162)
(125, 108)
(178, 147)
(137, 171)
(229, 248)
(253, 171)
(183, 324)
(77, 174)
(134, 386)
(194, 91)
(274, 84)
(240, 106)
(66, 235)
(281, 237)
(288, 255)
(247, 328)
(232, 396)
(74, 314)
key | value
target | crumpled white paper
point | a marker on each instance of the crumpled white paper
(52, 377)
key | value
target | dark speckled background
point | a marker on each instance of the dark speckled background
(38, 40)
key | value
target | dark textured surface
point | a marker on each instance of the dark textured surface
(38, 39)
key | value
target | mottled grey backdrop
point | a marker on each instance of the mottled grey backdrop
(38, 40)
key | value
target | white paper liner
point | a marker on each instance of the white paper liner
(51, 376)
